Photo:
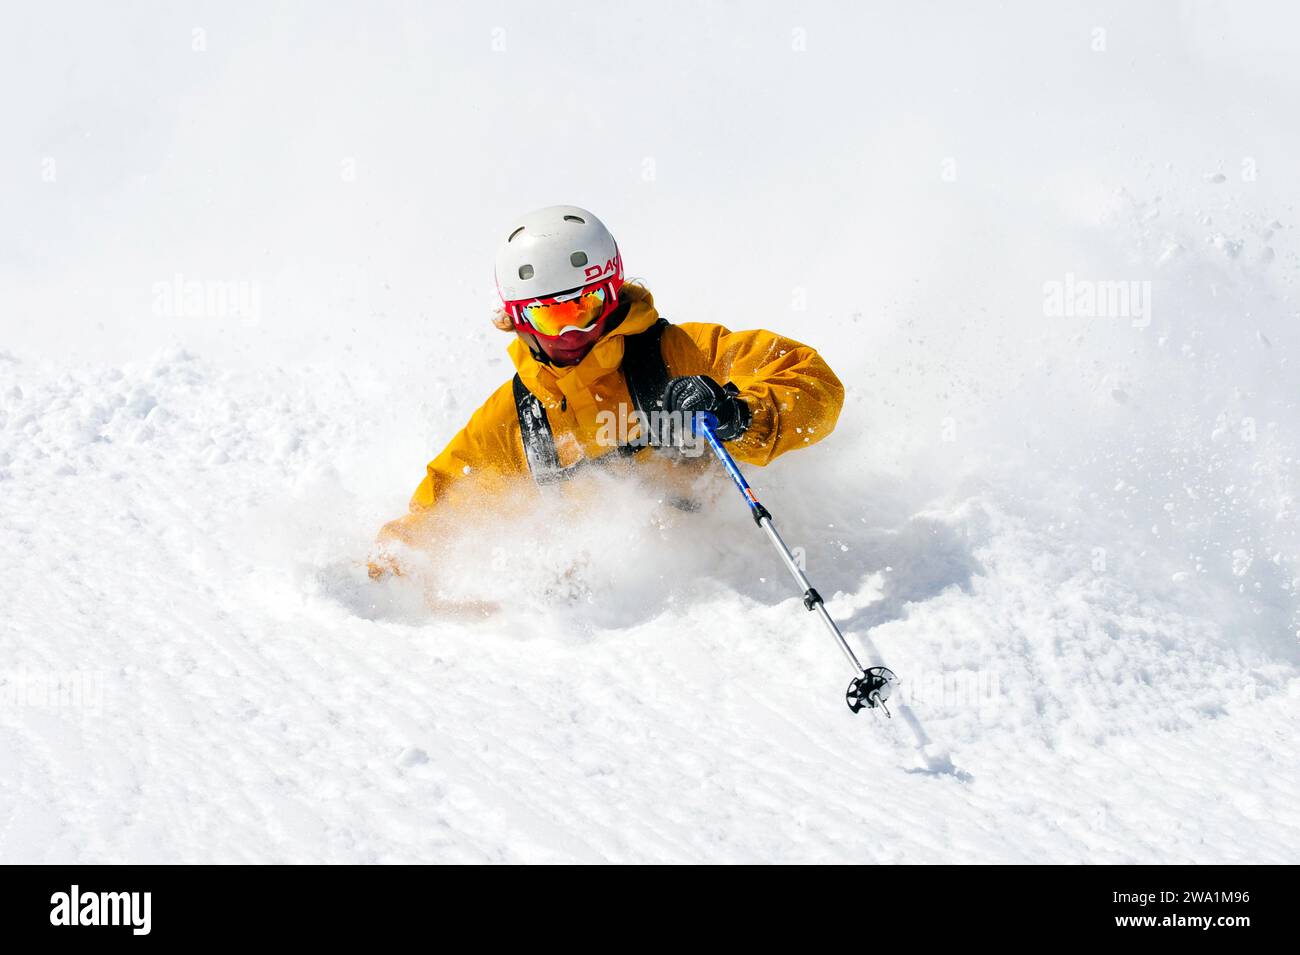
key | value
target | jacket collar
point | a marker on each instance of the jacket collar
(604, 358)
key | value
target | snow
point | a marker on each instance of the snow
(1074, 538)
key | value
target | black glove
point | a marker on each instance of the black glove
(690, 395)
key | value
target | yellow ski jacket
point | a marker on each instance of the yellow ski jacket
(793, 395)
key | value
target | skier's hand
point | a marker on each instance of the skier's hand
(380, 565)
(696, 393)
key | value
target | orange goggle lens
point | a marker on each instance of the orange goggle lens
(551, 317)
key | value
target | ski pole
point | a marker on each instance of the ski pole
(872, 686)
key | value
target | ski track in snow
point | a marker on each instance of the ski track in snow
(243, 702)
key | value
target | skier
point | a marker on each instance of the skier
(601, 377)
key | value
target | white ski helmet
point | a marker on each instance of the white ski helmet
(553, 250)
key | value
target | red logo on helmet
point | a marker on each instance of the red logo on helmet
(593, 272)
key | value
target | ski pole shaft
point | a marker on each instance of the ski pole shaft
(812, 600)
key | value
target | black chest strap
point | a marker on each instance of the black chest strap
(535, 430)
(646, 376)
(644, 369)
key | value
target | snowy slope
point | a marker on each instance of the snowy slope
(1074, 539)
(252, 698)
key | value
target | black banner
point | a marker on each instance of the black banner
(968, 905)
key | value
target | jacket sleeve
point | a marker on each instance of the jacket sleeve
(793, 394)
(482, 455)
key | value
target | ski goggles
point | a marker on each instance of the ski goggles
(555, 315)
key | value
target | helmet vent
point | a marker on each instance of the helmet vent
(525, 271)
(515, 233)
(576, 219)
(578, 259)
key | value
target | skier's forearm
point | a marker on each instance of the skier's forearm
(793, 397)
(412, 530)
(790, 409)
